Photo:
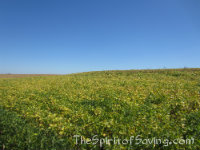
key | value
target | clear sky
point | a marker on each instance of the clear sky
(67, 36)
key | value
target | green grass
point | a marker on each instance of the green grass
(46, 112)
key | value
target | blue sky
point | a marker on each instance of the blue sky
(67, 36)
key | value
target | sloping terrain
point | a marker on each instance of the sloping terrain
(46, 112)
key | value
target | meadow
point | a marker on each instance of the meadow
(49, 112)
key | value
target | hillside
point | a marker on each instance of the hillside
(46, 112)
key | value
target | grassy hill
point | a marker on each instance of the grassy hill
(46, 112)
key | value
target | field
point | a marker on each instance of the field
(52, 112)
(23, 75)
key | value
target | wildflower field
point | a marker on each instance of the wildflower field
(46, 112)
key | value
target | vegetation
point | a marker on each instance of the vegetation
(46, 112)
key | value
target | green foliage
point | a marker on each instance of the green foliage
(46, 112)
